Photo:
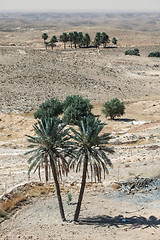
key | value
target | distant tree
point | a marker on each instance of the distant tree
(70, 38)
(86, 40)
(154, 54)
(90, 153)
(64, 38)
(80, 37)
(97, 39)
(114, 41)
(113, 108)
(104, 39)
(132, 52)
(75, 39)
(49, 108)
(53, 41)
(75, 107)
(44, 36)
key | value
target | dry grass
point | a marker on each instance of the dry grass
(12, 203)
(13, 200)
(37, 191)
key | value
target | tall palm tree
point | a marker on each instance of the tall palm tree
(75, 39)
(80, 37)
(44, 36)
(53, 41)
(90, 151)
(104, 39)
(70, 37)
(87, 39)
(50, 142)
(97, 39)
(64, 38)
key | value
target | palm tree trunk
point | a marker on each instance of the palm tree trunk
(39, 173)
(46, 170)
(54, 172)
(77, 212)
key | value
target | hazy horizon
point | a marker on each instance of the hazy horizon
(80, 6)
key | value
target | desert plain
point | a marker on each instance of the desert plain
(30, 74)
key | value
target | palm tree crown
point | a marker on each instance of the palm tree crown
(88, 143)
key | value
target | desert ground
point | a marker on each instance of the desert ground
(29, 75)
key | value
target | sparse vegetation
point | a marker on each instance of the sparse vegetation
(133, 52)
(113, 108)
(154, 54)
(69, 195)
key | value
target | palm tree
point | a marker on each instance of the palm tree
(97, 39)
(53, 41)
(75, 39)
(104, 39)
(70, 37)
(87, 39)
(80, 37)
(51, 143)
(44, 36)
(64, 38)
(90, 148)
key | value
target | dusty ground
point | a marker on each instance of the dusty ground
(30, 75)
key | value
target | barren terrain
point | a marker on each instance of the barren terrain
(29, 75)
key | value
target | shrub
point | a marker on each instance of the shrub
(113, 108)
(132, 52)
(154, 54)
(49, 108)
(75, 107)
(114, 41)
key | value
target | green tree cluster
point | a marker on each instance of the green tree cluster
(78, 38)
(73, 109)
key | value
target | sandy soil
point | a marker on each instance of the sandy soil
(30, 75)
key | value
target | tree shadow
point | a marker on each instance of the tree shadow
(124, 119)
(120, 220)
(110, 47)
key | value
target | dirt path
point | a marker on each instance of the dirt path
(102, 217)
